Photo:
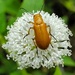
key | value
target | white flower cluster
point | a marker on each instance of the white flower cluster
(23, 50)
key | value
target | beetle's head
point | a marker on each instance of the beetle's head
(38, 19)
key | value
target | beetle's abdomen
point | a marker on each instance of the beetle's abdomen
(42, 37)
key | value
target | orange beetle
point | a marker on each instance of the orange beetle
(42, 36)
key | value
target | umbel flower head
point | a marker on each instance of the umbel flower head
(23, 49)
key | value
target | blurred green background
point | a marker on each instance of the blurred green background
(10, 10)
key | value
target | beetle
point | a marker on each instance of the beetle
(42, 36)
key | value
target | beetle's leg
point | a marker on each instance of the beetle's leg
(52, 45)
(28, 32)
(54, 37)
(29, 21)
(50, 32)
(61, 41)
(35, 44)
(49, 29)
(29, 28)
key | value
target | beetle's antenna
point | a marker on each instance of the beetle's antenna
(24, 9)
(41, 8)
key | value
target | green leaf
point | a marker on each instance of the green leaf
(9, 6)
(65, 18)
(11, 20)
(68, 73)
(58, 71)
(2, 40)
(68, 61)
(17, 72)
(6, 66)
(12, 6)
(38, 72)
(69, 4)
(24, 72)
(9, 66)
(31, 5)
(20, 72)
(2, 6)
(2, 22)
(73, 30)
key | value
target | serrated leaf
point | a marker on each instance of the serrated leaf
(68, 61)
(58, 71)
(31, 5)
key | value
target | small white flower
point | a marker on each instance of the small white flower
(23, 50)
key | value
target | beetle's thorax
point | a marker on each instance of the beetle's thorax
(38, 19)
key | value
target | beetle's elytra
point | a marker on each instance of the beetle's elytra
(42, 36)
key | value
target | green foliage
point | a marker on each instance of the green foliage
(2, 22)
(68, 73)
(6, 66)
(20, 72)
(31, 5)
(69, 61)
(10, 9)
(69, 4)
(9, 6)
(58, 71)
(37, 72)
